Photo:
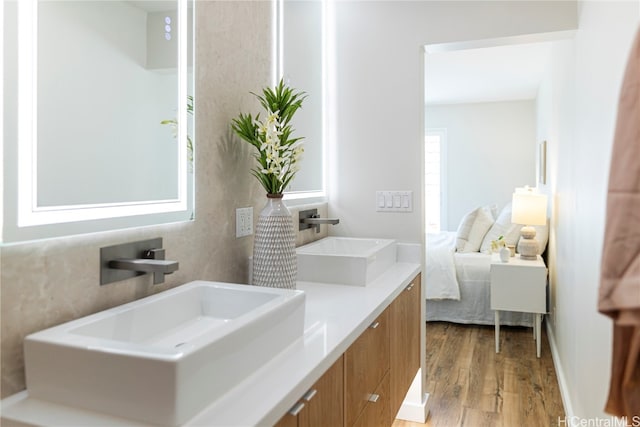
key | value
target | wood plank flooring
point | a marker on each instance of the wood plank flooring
(471, 385)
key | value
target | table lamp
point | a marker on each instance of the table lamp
(528, 208)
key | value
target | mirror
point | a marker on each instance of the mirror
(98, 132)
(304, 68)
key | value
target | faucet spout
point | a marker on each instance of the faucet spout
(145, 265)
(311, 219)
(159, 267)
(318, 221)
(126, 260)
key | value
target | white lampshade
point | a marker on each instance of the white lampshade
(528, 208)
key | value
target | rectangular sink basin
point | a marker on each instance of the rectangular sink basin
(345, 260)
(162, 359)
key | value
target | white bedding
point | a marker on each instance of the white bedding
(440, 267)
(473, 267)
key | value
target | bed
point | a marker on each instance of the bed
(458, 271)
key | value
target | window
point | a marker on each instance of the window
(435, 180)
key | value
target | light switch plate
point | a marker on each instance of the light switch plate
(244, 222)
(394, 201)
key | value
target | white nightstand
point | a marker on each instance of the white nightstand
(519, 285)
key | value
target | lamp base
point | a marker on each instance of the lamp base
(528, 245)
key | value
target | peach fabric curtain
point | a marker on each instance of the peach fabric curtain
(620, 273)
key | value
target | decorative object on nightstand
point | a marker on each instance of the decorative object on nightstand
(496, 245)
(505, 254)
(528, 208)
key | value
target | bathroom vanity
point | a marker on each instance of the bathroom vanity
(367, 384)
(358, 353)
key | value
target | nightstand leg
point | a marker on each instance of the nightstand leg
(497, 320)
(538, 325)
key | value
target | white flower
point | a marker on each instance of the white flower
(277, 156)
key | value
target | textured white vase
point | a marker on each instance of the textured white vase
(274, 249)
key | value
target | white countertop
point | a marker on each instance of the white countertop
(335, 316)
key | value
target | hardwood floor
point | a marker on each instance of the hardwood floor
(471, 385)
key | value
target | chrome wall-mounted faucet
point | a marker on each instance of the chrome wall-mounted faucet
(127, 260)
(310, 218)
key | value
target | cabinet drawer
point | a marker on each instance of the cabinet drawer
(519, 289)
(405, 342)
(377, 411)
(366, 363)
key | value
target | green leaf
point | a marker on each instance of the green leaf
(286, 101)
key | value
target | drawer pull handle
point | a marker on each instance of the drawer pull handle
(296, 409)
(374, 398)
(408, 288)
(309, 395)
(374, 325)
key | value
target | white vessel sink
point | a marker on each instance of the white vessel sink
(345, 260)
(162, 359)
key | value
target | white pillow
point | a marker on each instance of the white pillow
(542, 236)
(494, 210)
(472, 229)
(502, 227)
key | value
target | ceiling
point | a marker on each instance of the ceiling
(486, 74)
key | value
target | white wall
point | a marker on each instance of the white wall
(491, 149)
(555, 117)
(577, 109)
(378, 126)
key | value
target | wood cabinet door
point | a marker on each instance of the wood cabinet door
(287, 420)
(405, 342)
(323, 403)
(365, 362)
(326, 405)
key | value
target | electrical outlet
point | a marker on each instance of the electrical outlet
(244, 222)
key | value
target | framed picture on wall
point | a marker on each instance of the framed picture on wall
(542, 162)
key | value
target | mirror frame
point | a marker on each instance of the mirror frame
(29, 213)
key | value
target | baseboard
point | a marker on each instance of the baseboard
(562, 381)
(416, 412)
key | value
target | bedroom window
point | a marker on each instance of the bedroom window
(435, 180)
